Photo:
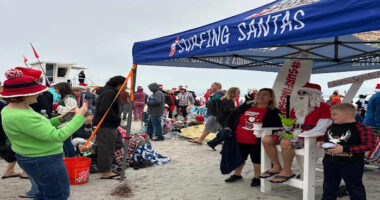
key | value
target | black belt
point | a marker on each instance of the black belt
(303, 126)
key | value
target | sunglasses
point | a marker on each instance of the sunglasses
(302, 92)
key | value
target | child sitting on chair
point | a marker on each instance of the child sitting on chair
(345, 143)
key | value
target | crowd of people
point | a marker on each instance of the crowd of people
(41, 126)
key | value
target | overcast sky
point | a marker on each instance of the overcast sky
(99, 35)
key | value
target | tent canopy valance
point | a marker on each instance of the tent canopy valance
(261, 39)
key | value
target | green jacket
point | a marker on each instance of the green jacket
(33, 135)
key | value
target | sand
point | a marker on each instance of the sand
(193, 173)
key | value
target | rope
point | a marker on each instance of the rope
(130, 75)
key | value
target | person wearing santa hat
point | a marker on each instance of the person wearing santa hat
(35, 139)
(311, 115)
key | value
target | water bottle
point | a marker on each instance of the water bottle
(43, 112)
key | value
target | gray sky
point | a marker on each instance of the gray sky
(99, 35)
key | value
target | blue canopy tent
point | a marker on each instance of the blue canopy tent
(261, 39)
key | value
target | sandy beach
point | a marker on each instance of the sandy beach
(193, 173)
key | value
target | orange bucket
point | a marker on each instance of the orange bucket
(78, 169)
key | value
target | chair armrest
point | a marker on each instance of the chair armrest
(311, 135)
(261, 132)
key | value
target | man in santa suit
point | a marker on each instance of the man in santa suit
(311, 116)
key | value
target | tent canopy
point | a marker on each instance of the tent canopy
(261, 39)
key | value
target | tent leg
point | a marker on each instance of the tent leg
(129, 124)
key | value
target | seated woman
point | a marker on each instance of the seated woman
(241, 121)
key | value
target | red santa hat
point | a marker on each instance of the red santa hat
(22, 82)
(312, 88)
(160, 85)
(377, 89)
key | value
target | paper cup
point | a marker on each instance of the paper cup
(257, 125)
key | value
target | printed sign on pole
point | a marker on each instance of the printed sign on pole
(293, 74)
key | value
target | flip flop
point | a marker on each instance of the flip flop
(195, 142)
(10, 176)
(25, 196)
(112, 177)
(269, 174)
(285, 178)
(24, 177)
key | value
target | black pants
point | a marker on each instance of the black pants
(352, 175)
(108, 139)
(183, 110)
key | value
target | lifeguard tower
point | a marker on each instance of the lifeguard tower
(57, 72)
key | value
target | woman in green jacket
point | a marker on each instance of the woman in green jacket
(35, 139)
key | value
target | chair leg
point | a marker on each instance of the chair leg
(265, 165)
(309, 169)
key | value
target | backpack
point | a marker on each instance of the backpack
(213, 105)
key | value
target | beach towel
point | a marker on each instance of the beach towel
(194, 132)
(146, 152)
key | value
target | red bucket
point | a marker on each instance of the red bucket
(78, 169)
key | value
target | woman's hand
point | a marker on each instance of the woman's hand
(82, 110)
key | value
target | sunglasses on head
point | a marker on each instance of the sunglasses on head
(302, 92)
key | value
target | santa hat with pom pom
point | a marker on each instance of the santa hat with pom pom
(22, 82)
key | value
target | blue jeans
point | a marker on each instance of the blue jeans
(34, 189)
(68, 148)
(50, 175)
(154, 123)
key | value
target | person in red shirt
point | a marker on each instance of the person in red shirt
(173, 102)
(124, 101)
(311, 116)
(207, 95)
(243, 119)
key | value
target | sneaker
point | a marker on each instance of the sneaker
(233, 178)
(255, 182)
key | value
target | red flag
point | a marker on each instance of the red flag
(35, 52)
(25, 59)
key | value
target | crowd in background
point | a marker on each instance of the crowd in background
(70, 114)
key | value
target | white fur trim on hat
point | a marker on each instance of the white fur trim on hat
(24, 95)
(311, 87)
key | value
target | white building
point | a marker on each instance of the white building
(58, 72)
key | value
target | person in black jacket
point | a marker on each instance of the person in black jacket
(243, 119)
(108, 136)
(44, 102)
(227, 104)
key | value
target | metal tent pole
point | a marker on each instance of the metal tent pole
(129, 124)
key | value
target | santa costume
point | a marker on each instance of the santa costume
(312, 114)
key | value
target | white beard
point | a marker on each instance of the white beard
(301, 106)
